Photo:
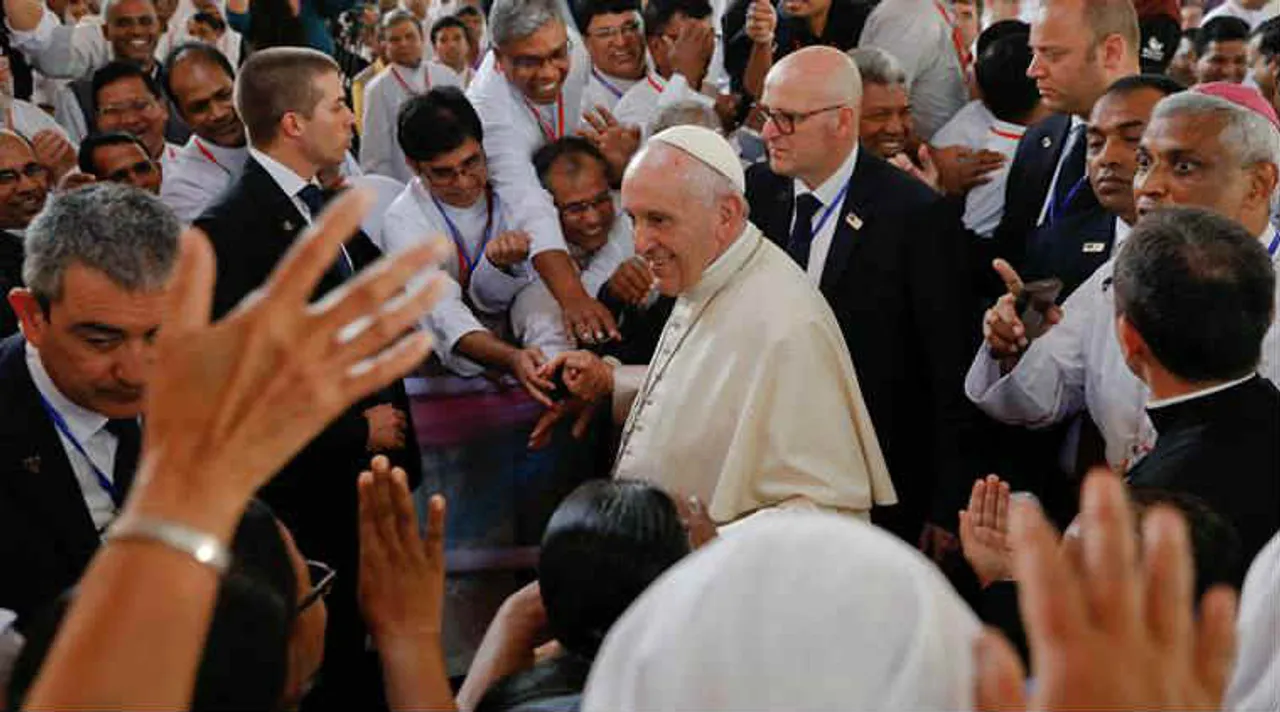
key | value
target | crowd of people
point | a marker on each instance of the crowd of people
(867, 300)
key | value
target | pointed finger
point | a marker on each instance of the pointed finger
(1008, 275)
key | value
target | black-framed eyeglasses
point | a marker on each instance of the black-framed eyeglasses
(786, 121)
(322, 576)
(582, 207)
(35, 171)
(449, 175)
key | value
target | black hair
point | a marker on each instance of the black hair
(113, 72)
(1003, 28)
(584, 11)
(572, 147)
(1269, 34)
(432, 124)
(93, 142)
(273, 24)
(204, 52)
(1216, 549)
(246, 658)
(606, 542)
(1199, 289)
(658, 13)
(1159, 82)
(445, 23)
(469, 10)
(210, 19)
(1001, 73)
(1221, 29)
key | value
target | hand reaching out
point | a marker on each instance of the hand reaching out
(984, 531)
(926, 172)
(631, 282)
(618, 143)
(508, 249)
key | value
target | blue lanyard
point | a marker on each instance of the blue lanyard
(1275, 243)
(1054, 207)
(835, 204)
(467, 263)
(607, 85)
(61, 424)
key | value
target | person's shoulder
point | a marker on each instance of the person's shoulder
(13, 356)
(893, 187)
(968, 127)
(760, 177)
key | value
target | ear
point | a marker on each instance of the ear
(1263, 179)
(1132, 345)
(290, 124)
(35, 323)
(1114, 51)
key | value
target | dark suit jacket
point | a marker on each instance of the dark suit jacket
(1225, 449)
(251, 226)
(899, 288)
(1071, 249)
(11, 254)
(46, 534)
(844, 26)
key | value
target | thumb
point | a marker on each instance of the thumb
(925, 156)
(1009, 275)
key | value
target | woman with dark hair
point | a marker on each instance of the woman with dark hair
(606, 542)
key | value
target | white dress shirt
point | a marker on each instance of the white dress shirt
(1231, 8)
(1255, 678)
(514, 129)
(413, 219)
(1078, 365)
(919, 37)
(1074, 134)
(605, 90)
(751, 400)
(198, 173)
(975, 127)
(380, 150)
(29, 120)
(288, 181)
(833, 189)
(90, 430)
(646, 98)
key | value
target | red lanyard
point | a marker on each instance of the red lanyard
(426, 81)
(467, 263)
(550, 132)
(654, 83)
(212, 159)
(1006, 134)
(957, 38)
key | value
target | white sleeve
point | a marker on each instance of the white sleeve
(60, 51)
(492, 290)
(537, 321)
(1047, 385)
(898, 34)
(377, 145)
(69, 115)
(183, 191)
(606, 261)
(42, 121)
(511, 170)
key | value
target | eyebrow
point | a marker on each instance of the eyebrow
(91, 328)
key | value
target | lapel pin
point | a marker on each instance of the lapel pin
(1046, 142)
(32, 464)
(1093, 247)
(854, 221)
(287, 226)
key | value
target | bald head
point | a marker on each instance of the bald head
(23, 197)
(824, 74)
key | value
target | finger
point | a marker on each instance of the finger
(1001, 679)
(1110, 553)
(990, 491)
(385, 514)
(541, 433)
(371, 551)
(1002, 508)
(380, 465)
(312, 254)
(605, 116)
(1049, 593)
(596, 122)
(975, 494)
(535, 390)
(381, 327)
(1215, 651)
(1169, 581)
(549, 368)
(406, 519)
(583, 422)
(1008, 275)
(434, 539)
(393, 363)
(189, 301)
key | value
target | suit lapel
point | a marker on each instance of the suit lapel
(272, 201)
(856, 218)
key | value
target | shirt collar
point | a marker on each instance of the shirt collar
(82, 422)
(283, 176)
(1165, 402)
(1122, 233)
(832, 186)
(1267, 236)
(719, 272)
(229, 155)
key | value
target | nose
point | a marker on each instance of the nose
(133, 363)
(1150, 183)
(642, 239)
(770, 131)
(1035, 70)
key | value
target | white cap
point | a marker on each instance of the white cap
(709, 147)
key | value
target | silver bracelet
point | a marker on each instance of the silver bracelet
(204, 548)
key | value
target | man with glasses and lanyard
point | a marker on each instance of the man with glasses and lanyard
(888, 255)
(614, 36)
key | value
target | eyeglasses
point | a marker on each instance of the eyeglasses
(533, 62)
(322, 576)
(786, 120)
(10, 177)
(137, 106)
(445, 175)
(579, 210)
(628, 29)
(137, 170)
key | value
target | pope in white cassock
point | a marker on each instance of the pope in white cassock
(751, 400)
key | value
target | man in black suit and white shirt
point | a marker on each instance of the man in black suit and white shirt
(888, 255)
(73, 382)
(294, 111)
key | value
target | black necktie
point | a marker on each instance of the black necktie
(1070, 178)
(802, 231)
(128, 444)
(313, 198)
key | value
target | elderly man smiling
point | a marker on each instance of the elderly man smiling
(751, 400)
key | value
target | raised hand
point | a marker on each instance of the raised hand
(585, 375)
(961, 169)
(984, 531)
(691, 51)
(508, 249)
(618, 143)
(1108, 629)
(631, 282)
(55, 152)
(762, 22)
(526, 365)
(387, 427)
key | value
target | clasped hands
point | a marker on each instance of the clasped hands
(587, 379)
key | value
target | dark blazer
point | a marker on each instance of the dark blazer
(11, 255)
(1071, 249)
(46, 534)
(898, 285)
(1223, 448)
(251, 226)
(844, 26)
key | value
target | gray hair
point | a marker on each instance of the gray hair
(1247, 134)
(121, 231)
(878, 66)
(683, 113)
(511, 20)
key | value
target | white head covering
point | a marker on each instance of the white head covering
(1255, 684)
(709, 147)
(796, 611)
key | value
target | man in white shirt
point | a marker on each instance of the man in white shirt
(126, 99)
(681, 41)
(121, 158)
(451, 41)
(1197, 150)
(614, 34)
(1253, 12)
(529, 92)
(74, 382)
(1222, 51)
(920, 35)
(750, 401)
(407, 75)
